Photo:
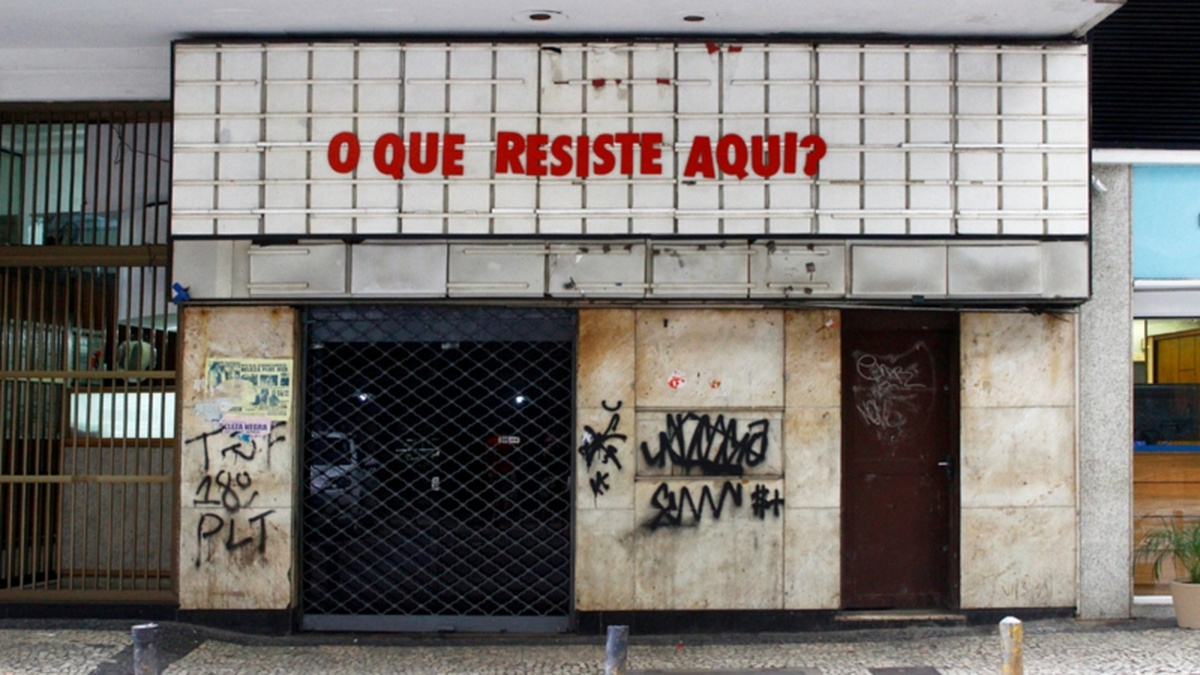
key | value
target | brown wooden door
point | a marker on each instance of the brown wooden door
(899, 452)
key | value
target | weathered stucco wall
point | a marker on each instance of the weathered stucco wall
(1018, 528)
(687, 419)
(237, 460)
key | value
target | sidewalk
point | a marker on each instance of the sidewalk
(1055, 646)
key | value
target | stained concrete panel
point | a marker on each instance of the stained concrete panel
(813, 457)
(237, 489)
(812, 559)
(605, 358)
(606, 462)
(1018, 557)
(728, 441)
(1018, 457)
(1017, 360)
(813, 367)
(709, 358)
(605, 546)
(702, 544)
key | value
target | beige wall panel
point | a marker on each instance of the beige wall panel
(606, 461)
(812, 559)
(813, 455)
(1017, 360)
(233, 483)
(710, 442)
(1018, 457)
(1018, 557)
(813, 363)
(710, 358)
(733, 561)
(606, 359)
(605, 543)
(255, 574)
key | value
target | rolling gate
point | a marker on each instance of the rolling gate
(437, 468)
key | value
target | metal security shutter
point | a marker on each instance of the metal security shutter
(437, 468)
(1146, 76)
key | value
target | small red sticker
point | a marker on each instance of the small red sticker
(677, 380)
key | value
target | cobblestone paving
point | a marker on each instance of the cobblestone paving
(1066, 647)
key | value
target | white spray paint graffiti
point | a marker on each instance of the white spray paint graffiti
(889, 399)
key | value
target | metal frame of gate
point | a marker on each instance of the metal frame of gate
(437, 468)
(87, 451)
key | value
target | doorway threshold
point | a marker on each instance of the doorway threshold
(889, 618)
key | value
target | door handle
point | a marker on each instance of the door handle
(948, 465)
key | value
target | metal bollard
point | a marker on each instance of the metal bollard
(145, 649)
(1012, 634)
(616, 652)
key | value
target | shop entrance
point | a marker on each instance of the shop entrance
(899, 456)
(437, 464)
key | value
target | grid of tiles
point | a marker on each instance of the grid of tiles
(938, 140)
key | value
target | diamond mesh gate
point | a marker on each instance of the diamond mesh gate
(437, 468)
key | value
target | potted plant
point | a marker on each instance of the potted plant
(1177, 544)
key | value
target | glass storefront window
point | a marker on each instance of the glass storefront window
(1166, 429)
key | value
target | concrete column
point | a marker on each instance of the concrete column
(1106, 406)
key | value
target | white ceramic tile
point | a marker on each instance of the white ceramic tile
(929, 99)
(1065, 226)
(193, 166)
(242, 65)
(377, 195)
(977, 66)
(657, 65)
(333, 98)
(838, 97)
(193, 65)
(841, 166)
(931, 226)
(827, 225)
(697, 98)
(978, 101)
(934, 166)
(973, 198)
(378, 98)
(238, 226)
(238, 130)
(524, 225)
(744, 196)
(648, 195)
(790, 225)
(1022, 227)
(1071, 132)
(331, 225)
(419, 196)
(837, 64)
(1015, 360)
(287, 196)
(187, 198)
(743, 226)
(1021, 100)
(846, 133)
(377, 225)
(975, 225)
(559, 225)
(469, 198)
(379, 64)
(193, 226)
(646, 225)
(287, 98)
(286, 129)
(241, 98)
(1021, 66)
(1068, 198)
(698, 226)
(1066, 66)
(285, 223)
(238, 166)
(193, 131)
(516, 195)
(744, 97)
(884, 98)
(881, 166)
(699, 196)
(610, 195)
(884, 132)
(978, 166)
(1021, 198)
(812, 559)
(1067, 101)
(195, 100)
(1021, 132)
(930, 197)
(337, 63)
(796, 195)
(925, 131)
(284, 163)
(1022, 166)
(1067, 166)
(883, 197)
(561, 90)
(325, 196)
(520, 66)
(884, 64)
(839, 197)
(930, 65)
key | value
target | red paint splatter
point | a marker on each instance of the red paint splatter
(598, 82)
(713, 47)
(664, 80)
(734, 50)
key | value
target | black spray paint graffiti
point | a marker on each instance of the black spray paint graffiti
(231, 490)
(599, 444)
(679, 508)
(709, 445)
(894, 383)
